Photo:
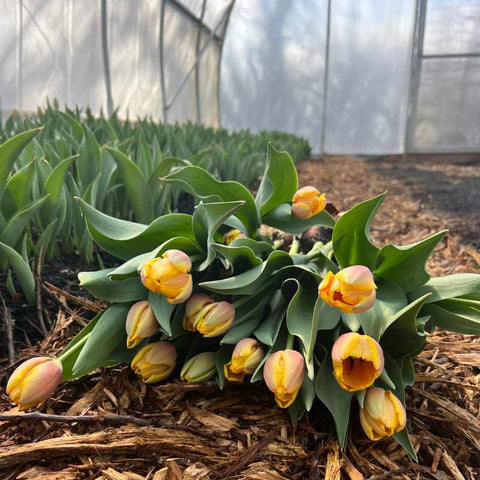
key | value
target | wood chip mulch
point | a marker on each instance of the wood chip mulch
(177, 431)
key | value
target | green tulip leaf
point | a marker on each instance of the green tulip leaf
(137, 188)
(9, 152)
(17, 190)
(239, 259)
(404, 326)
(206, 220)
(163, 311)
(279, 182)
(455, 314)
(202, 185)
(101, 286)
(107, 336)
(334, 398)
(249, 282)
(22, 270)
(405, 265)
(451, 286)
(126, 240)
(351, 242)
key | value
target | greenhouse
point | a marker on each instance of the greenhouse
(239, 239)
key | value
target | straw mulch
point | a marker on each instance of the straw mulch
(113, 427)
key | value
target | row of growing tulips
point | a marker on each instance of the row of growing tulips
(209, 293)
(51, 157)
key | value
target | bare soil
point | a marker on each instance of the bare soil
(176, 431)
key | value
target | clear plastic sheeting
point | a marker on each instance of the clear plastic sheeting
(369, 75)
(452, 27)
(143, 57)
(133, 39)
(448, 117)
(273, 64)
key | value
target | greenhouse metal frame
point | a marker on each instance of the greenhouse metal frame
(166, 59)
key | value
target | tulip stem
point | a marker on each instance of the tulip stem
(74, 348)
(278, 243)
(294, 247)
(290, 341)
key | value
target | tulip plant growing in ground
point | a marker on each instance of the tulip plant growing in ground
(207, 295)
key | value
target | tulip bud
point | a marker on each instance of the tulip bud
(169, 276)
(215, 319)
(351, 290)
(193, 308)
(232, 235)
(141, 323)
(382, 414)
(155, 362)
(246, 357)
(199, 368)
(34, 381)
(283, 373)
(357, 361)
(307, 202)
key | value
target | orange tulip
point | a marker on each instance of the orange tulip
(155, 362)
(34, 381)
(141, 323)
(246, 357)
(382, 414)
(357, 361)
(351, 290)
(169, 276)
(307, 202)
(283, 373)
(193, 309)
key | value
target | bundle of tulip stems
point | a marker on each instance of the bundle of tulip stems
(207, 295)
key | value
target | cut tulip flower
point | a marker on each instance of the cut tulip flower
(357, 361)
(246, 357)
(283, 373)
(169, 276)
(207, 317)
(141, 323)
(307, 202)
(351, 290)
(155, 362)
(34, 381)
(382, 414)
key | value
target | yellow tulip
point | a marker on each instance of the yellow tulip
(169, 276)
(34, 381)
(283, 373)
(246, 357)
(207, 317)
(232, 235)
(193, 310)
(155, 362)
(308, 202)
(141, 323)
(199, 368)
(357, 361)
(382, 414)
(351, 290)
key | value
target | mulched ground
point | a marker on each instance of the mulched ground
(195, 432)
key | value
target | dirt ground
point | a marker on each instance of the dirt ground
(176, 431)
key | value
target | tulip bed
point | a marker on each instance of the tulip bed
(210, 295)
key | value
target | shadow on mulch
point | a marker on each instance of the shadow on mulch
(176, 431)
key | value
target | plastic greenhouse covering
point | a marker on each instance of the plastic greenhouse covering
(352, 76)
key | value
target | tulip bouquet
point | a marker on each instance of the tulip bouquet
(211, 295)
